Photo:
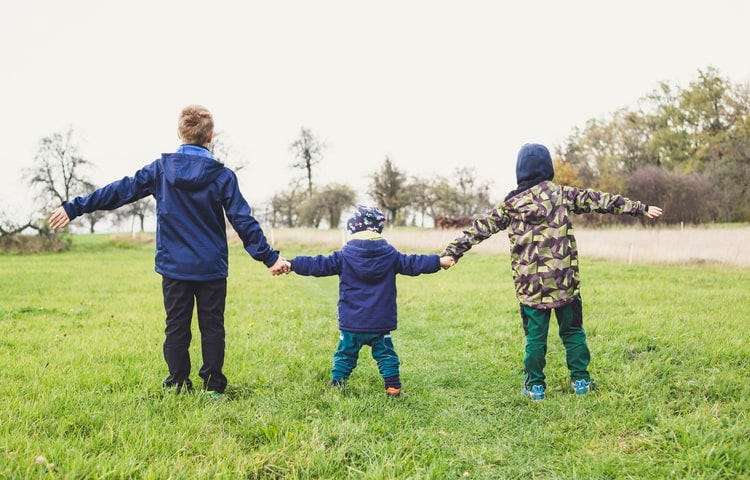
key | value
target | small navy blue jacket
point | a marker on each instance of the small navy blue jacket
(193, 192)
(367, 281)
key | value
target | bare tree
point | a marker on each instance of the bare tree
(139, 209)
(473, 193)
(308, 152)
(58, 172)
(223, 151)
(9, 228)
(94, 217)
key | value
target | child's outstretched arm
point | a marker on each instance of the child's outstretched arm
(481, 229)
(585, 201)
(415, 264)
(317, 266)
(108, 197)
(240, 216)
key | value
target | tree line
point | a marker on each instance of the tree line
(406, 200)
(686, 149)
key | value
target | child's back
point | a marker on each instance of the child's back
(367, 267)
(194, 194)
(544, 253)
(544, 259)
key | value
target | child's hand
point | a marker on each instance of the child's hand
(282, 265)
(58, 219)
(447, 262)
(653, 212)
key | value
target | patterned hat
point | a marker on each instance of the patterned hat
(366, 218)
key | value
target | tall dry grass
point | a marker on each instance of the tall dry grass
(729, 245)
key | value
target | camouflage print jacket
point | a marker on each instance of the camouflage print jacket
(543, 251)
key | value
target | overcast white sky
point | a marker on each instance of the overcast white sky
(433, 84)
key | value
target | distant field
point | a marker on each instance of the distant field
(81, 353)
(726, 244)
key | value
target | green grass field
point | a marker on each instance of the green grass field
(81, 369)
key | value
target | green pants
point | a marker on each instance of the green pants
(347, 354)
(536, 326)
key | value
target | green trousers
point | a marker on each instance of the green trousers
(536, 326)
(347, 354)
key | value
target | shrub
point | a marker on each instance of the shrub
(43, 242)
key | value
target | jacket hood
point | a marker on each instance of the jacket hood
(366, 259)
(190, 172)
(534, 163)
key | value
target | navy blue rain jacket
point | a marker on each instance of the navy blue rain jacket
(367, 281)
(193, 191)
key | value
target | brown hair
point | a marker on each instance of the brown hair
(195, 125)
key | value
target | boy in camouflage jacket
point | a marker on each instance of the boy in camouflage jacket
(544, 259)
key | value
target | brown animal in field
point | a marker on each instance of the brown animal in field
(446, 223)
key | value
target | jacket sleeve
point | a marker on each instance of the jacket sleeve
(247, 227)
(481, 229)
(414, 265)
(586, 201)
(317, 266)
(114, 195)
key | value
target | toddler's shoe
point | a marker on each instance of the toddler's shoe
(582, 387)
(336, 383)
(536, 392)
(393, 392)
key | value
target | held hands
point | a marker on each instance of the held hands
(282, 265)
(58, 219)
(652, 212)
(447, 262)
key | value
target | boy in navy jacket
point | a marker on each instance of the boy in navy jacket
(367, 268)
(193, 193)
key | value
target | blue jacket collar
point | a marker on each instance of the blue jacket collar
(198, 150)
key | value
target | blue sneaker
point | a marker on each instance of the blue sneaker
(536, 392)
(582, 387)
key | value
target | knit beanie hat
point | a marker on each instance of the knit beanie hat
(366, 218)
(534, 163)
